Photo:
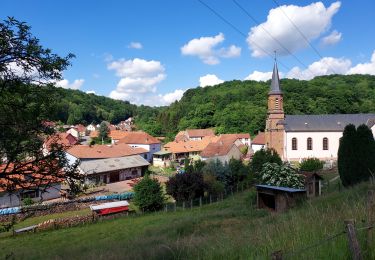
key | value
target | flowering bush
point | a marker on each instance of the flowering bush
(280, 175)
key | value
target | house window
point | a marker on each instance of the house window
(294, 143)
(30, 194)
(309, 143)
(325, 143)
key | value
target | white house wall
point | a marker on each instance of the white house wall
(257, 147)
(151, 148)
(317, 145)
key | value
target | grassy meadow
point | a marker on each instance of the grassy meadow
(231, 229)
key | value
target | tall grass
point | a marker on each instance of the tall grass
(231, 229)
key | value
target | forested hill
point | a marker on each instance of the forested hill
(241, 106)
(75, 107)
(233, 106)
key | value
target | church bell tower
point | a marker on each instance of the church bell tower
(274, 133)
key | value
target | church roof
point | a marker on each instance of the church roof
(324, 123)
(275, 82)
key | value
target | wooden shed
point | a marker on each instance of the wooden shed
(313, 184)
(278, 199)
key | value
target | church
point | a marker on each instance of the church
(296, 137)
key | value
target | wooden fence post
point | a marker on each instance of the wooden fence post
(210, 199)
(370, 216)
(175, 206)
(277, 255)
(352, 239)
(183, 205)
(191, 204)
(200, 201)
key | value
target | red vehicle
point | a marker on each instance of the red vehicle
(110, 207)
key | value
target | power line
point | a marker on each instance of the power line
(275, 39)
(240, 32)
(301, 33)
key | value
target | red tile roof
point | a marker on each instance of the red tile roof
(188, 146)
(220, 147)
(137, 138)
(259, 139)
(104, 151)
(13, 181)
(80, 128)
(65, 139)
(200, 132)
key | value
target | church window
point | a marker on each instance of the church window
(309, 143)
(294, 143)
(325, 143)
(277, 103)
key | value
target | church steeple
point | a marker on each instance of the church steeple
(275, 83)
(274, 133)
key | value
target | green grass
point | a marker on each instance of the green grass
(231, 229)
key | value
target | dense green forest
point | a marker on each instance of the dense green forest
(241, 106)
(233, 106)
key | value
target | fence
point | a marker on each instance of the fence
(350, 230)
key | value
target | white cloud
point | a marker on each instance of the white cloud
(312, 21)
(205, 49)
(138, 80)
(173, 96)
(324, 66)
(91, 92)
(135, 45)
(76, 84)
(331, 39)
(364, 68)
(330, 65)
(259, 76)
(209, 80)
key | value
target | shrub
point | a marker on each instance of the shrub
(27, 202)
(311, 165)
(261, 157)
(186, 186)
(283, 176)
(148, 195)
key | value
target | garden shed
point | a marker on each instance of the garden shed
(278, 199)
(313, 184)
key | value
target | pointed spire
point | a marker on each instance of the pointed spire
(275, 83)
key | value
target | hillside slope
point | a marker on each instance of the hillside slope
(231, 229)
(241, 106)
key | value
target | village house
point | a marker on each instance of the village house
(295, 137)
(113, 169)
(74, 132)
(258, 142)
(90, 128)
(138, 139)
(38, 187)
(223, 149)
(194, 134)
(187, 149)
(162, 159)
(64, 139)
(108, 163)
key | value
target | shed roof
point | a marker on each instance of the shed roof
(112, 164)
(287, 189)
(259, 139)
(324, 123)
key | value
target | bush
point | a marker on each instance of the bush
(261, 157)
(282, 176)
(186, 186)
(311, 165)
(27, 202)
(148, 195)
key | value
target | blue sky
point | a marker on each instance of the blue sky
(150, 52)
